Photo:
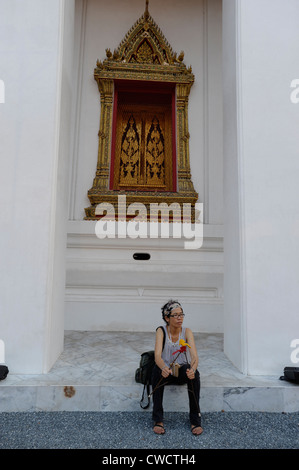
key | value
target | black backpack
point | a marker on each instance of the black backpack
(3, 371)
(143, 374)
(291, 374)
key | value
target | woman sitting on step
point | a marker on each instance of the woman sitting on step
(176, 362)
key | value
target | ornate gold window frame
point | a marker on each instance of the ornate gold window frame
(144, 55)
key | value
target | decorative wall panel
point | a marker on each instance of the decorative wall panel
(143, 151)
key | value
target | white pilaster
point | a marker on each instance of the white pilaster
(34, 151)
(261, 167)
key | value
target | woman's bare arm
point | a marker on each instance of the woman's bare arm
(158, 353)
(193, 350)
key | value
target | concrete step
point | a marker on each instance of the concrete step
(96, 372)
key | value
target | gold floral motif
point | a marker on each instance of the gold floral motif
(130, 154)
(144, 54)
(155, 155)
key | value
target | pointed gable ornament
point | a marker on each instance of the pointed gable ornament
(143, 56)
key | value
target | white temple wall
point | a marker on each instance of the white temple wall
(261, 142)
(106, 288)
(33, 188)
(51, 112)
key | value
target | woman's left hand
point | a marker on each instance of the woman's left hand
(190, 374)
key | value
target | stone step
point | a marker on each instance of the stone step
(96, 372)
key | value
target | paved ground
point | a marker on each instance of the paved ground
(126, 430)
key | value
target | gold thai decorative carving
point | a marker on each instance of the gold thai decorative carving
(143, 169)
(143, 143)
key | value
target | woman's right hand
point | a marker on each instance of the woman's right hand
(166, 372)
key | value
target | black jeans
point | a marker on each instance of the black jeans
(193, 393)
